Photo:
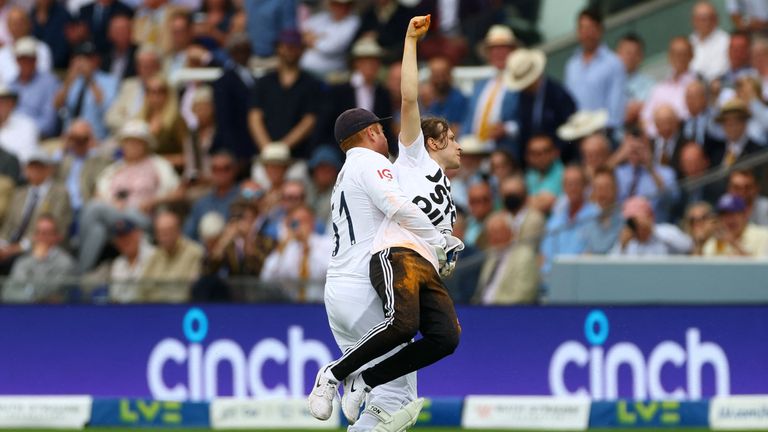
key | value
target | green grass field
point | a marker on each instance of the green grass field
(119, 429)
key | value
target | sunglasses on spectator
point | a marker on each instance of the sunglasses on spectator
(702, 218)
(293, 197)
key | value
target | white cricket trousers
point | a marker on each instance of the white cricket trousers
(354, 308)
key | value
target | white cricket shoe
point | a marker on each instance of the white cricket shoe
(399, 421)
(355, 391)
(320, 401)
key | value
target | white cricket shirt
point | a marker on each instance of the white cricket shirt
(365, 194)
(427, 186)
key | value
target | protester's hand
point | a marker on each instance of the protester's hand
(418, 26)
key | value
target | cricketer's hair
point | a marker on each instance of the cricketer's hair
(435, 128)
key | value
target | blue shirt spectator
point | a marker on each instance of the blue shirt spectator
(598, 84)
(566, 227)
(266, 19)
(659, 186)
(445, 100)
(224, 192)
(594, 74)
(52, 31)
(35, 96)
(90, 108)
(452, 108)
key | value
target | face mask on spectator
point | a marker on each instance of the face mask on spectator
(513, 203)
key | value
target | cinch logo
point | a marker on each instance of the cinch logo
(246, 365)
(601, 365)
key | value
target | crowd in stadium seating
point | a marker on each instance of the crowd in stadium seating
(157, 150)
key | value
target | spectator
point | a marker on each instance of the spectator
(285, 104)
(393, 87)
(566, 227)
(9, 177)
(700, 126)
(710, 42)
(80, 164)
(40, 274)
(20, 26)
(642, 236)
(473, 156)
(215, 21)
(739, 50)
(49, 22)
(35, 89)
(224, 191)
(173, 266)
(241, 250)
(527, 223)
(386, 21)
(700, 223)
(508, 275)
(594, 74)
(161, 112)
(18, 133)
(760, 63)
(328, 35)
(180, 29)
(749, 15)
(130, 97)
(694, 164)
(87, 92)
(152, 22)
(266, 21)
(669, 139)
(362, 91)
(640, 175)
(595, 154)
(199, 145)
(119, 61)
(492, 109)
(544, 175)
(480, 197)
(324, 167)
(127, 270)
(733, 118)
(127, 188)
(303, 247)
(748, 91)
(671, 91)
(631, 50)
(502, 165)
(544, 104)
(98, 16)
(445, 100)
(39, 196)
(231, 97)
(735, 235)
(5, 36)
(602, 232)
(271, 171)
(292, 194)
(743, 184)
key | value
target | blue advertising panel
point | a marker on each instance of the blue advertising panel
(189, 353)
(648, 414)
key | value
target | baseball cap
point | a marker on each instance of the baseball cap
(730, 203)
(122, 227)
(353, 121)
(325, 155)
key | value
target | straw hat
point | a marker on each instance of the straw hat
(277, 153)
(736, 107)
(524, 67)
(499, 35)
(582, 124)
(137, 129)
(470, 145)
(367, 48)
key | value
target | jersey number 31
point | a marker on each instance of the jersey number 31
(343, 210)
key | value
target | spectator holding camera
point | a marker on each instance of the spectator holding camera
(87, 92)
(699, 223)
(602, 232)
(742, 183)
(734, 234)
(129, 187)
(303, 246)
(642, 236)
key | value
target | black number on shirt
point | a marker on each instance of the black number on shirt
(343, 209)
